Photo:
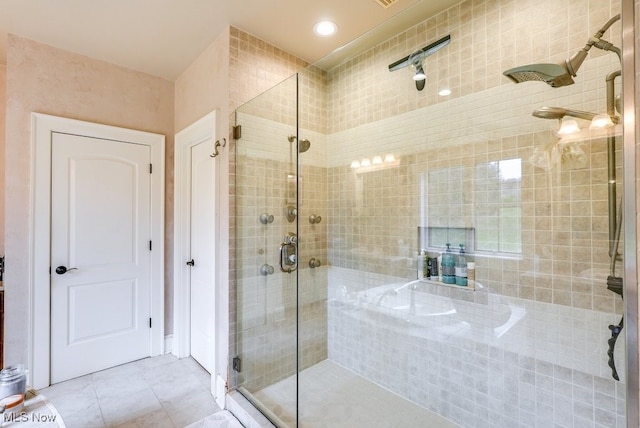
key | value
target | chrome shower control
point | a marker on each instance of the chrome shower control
(266, 269)
(313, 219)
(266, 218)
(314, 263)
(289, 253)
(292, 213)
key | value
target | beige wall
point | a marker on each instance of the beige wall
(204, 86)
(201, 88)
(3, 105)
(51, 81)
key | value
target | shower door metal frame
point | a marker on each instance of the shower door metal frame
(630, 210)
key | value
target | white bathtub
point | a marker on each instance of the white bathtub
(415, 308)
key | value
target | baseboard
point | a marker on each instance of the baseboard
(220, 391)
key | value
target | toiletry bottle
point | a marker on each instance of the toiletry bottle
(433, 263)
(426, 266)
(439, 267)
(471, 275)
(461, 268)
(448, 266)
(421, 266)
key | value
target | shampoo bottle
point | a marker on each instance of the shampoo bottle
(448, 266)
(421, 264)
(461, 268)
(471, 275)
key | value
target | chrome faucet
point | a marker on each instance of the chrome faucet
(412, 298)
(389, 292)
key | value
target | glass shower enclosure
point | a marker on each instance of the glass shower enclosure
(350, 182)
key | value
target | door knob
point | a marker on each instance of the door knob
(191, 263)
(61, 270)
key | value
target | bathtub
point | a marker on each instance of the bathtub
(434, 311)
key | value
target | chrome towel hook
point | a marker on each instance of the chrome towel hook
(216, 145)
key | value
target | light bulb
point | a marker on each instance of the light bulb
(355, 164)
(365, 162)
(600, 121)
(377, 160)
(389, 158)
(569, 126)
(325, 28)
(419, 74)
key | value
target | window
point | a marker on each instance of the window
(481, 211)
(498, 208)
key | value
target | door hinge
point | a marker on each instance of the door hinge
(235, 363)
(149, 322)
(150, 168)
(237, 132)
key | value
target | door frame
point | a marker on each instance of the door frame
(42, 126)
(202, 130)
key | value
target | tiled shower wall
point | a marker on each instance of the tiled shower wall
(487, 118)
(563, 262)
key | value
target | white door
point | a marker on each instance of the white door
(202, 245)
(100, 233)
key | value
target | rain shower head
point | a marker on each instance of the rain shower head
(557, 75)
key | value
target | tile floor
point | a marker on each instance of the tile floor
(154, 392)
(332, 396)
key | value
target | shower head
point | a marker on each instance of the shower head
(557, 75)
(559, 113)
(304, 145)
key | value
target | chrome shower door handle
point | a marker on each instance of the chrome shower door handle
(289, 253)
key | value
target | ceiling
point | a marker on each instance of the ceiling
(162, 37)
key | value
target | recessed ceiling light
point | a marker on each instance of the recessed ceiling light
(325, 28)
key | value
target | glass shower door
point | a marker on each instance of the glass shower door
(266, 253)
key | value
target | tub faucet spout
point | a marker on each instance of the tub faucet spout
(389, 292)
(412, 299)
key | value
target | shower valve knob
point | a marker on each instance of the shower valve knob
(266, 218)
(266, 269)
(314, 263)
(313, 219)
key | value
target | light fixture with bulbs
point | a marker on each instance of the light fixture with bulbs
(375, 163)
(570, 126)
(416, 59)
